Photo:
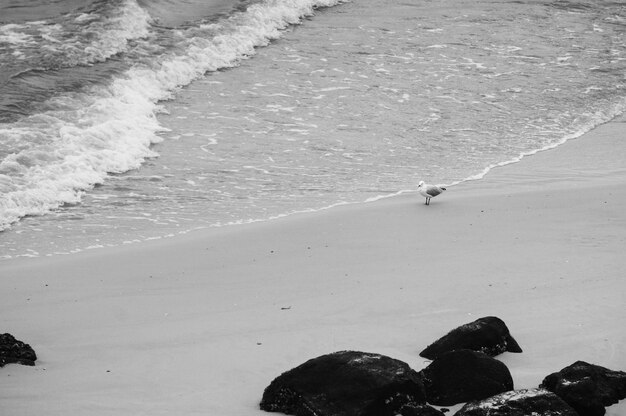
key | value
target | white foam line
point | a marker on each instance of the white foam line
(620, 109)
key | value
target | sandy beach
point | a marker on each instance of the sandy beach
(200, 324)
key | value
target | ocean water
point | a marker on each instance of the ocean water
(128, 120)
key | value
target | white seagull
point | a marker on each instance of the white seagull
(429, 191)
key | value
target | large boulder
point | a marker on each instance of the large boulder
(463, 375)
(14, 351)
(345, 383)
(419, 410)
(489, 335)
(519, 403)
(588, 388)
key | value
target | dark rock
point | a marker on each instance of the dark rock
(587, 388)
(14, 351)
(519, 403)
(463, 375)
(489, 335)
(345, 383)
(419, 410)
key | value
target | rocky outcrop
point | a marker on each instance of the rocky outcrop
(345, 383)
(488, 335)
(352, 383)
(588, 388)
(14, 351)
(463, 375)
(519, 403)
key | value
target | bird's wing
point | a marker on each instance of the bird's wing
(434, 190)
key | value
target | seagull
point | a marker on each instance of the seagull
(429, 191)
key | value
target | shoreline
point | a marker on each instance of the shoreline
(305, 211)
(202, 323)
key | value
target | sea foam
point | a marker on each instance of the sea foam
(110, 129)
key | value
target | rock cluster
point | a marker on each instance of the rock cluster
(463, 370)
(14, 351)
